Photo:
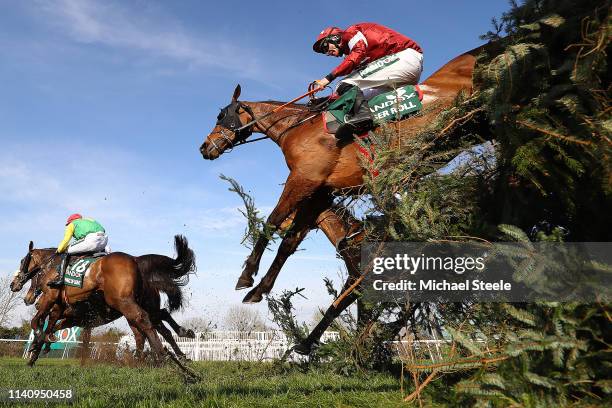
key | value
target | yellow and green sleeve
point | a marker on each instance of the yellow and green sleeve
(67, 236)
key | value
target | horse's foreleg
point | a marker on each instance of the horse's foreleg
(54, 316)
(303, 221)
(43, 307)
(297, 189)
(287, 247)
(85, 339)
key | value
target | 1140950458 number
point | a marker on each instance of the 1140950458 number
(35, 394)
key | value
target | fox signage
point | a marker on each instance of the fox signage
(64, 337)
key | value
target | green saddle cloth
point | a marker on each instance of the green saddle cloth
(396, 104)
(76, 271)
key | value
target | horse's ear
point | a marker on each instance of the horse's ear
(31, 247)
(236, 93)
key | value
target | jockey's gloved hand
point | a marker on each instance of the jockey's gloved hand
(323, 82)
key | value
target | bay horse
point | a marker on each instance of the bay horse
(319, 164)
(157, 314)
(115, 285)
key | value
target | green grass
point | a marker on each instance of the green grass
(223, 384)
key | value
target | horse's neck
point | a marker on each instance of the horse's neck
(276, 124)
(45, 257)
(443, 86)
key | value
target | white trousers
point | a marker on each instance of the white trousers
(402, 68)
(94, 242)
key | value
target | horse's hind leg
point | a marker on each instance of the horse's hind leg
(330, 315)
(85, 339)
(163, 330)
(164, 315)
(140, 341)
(336, 223)
(297, 189)
(139, 318)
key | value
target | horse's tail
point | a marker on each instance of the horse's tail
(164, 274)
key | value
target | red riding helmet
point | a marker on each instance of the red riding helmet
(331, 34)
(73, 217)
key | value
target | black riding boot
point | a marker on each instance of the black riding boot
(57, 283)
(360, 119)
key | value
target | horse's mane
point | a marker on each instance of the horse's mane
(46, 249)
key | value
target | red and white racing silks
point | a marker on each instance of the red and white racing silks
(366, 42)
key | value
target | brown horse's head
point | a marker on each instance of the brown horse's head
(30, 265)
(230, 128)
(26, 266)
(34, 291)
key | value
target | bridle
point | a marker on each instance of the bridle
(229, 121)
(26, 263)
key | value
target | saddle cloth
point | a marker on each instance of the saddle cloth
(396, 104)
(78, 267)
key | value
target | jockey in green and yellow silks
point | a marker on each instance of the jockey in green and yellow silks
(89, 236)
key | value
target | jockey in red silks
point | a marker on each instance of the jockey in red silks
(89, 236)
(375, 56)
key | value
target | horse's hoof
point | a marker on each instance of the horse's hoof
(253, 297)
(188, 333)
(244, 283)
(303, 349)
(50, 338)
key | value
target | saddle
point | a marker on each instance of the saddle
(74, 258)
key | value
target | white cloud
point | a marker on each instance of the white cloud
(115, 25)
(39, 192)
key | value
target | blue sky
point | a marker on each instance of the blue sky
(104, 104)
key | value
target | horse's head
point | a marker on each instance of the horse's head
(33, 291)
(29, 266)
(232, 128)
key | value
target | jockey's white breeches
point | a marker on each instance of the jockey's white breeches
(402, 68)
(94, 242)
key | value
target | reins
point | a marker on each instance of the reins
(273, 111)
(312, 89)
(43, 265)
